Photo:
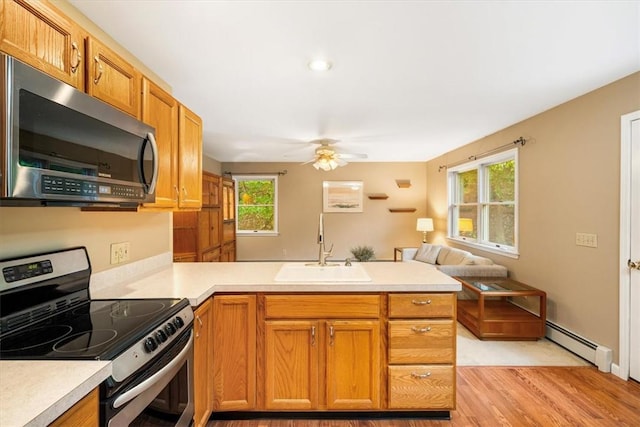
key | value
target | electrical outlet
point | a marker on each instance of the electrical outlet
(587, 239)
(125, 252)
(119, 252)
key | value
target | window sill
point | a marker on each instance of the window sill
(256, 234)
(486, 248)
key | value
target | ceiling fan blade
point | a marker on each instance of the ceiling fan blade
(353, 155)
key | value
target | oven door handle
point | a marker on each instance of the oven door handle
(143, 386)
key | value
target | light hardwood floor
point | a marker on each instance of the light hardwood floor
(514, 396)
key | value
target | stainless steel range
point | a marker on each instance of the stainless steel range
(46, 313)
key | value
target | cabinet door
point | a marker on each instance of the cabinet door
(189, 159)
(203, 403)
(38, 34)
(210, 190)
(291, 365)
(205, 228)
(160, 110)
(228, 200)
(353, 364)
(111, 78)
(234, 352)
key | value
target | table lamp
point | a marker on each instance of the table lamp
(424, 225)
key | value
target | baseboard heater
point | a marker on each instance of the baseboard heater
(598, 355)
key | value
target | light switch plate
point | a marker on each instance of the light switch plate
(587, 239)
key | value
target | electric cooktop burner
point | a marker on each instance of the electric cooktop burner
(97, 329)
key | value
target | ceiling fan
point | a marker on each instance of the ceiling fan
(326, 157)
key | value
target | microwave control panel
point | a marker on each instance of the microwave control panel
(77, 187)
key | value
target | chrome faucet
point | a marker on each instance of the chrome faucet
(323, 254)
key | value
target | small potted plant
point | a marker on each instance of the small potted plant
(363, 253)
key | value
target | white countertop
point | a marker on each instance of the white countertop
(199, 280)
(35, 393)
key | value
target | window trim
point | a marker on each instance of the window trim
(482, 203)
(257, 233)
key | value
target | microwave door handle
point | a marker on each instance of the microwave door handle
(151, 186)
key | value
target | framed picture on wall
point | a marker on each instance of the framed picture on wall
(342, 196)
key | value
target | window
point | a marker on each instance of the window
(483, 203)
(256, 205)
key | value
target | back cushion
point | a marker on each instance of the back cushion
(427, 253)
(452, 256)
(479, 260)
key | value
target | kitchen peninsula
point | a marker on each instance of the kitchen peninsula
(401, 323)
(384, 344)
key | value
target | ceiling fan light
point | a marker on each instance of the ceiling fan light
(319, 65)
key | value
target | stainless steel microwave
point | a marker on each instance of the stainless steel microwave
(62, 147)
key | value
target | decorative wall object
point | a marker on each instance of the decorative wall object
(342, 196)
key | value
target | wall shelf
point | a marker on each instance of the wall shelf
(377, 196)
(396, 210)
(403, 183)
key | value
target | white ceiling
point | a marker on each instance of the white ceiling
(411, 79)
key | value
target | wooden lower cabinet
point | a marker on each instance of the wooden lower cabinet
(202, 352)
(334, 352)
(420, 386)
(234, 352)
(353, 364)
(292, 369)
(422, 356)
(85, 413)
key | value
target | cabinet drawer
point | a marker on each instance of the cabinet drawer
(421, 341)
(422, 305)
(422, 387)
(322, 306)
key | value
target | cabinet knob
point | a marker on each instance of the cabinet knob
(419, 330)
(419, 302)
(313, 335)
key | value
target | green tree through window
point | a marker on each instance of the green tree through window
(483, 202)
(256, 204)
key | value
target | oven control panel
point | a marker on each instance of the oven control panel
(27, 271)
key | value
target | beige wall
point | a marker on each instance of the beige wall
(568, 182)
(211, 165)
(29, 230)
(300, 203)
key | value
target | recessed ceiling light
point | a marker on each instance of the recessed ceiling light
(320, 65)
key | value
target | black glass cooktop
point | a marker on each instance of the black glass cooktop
(97, 329)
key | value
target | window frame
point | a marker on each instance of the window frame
(257, 233)
(482, 205)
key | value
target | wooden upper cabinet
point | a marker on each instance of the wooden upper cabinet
(38, 34)
(111, 78)
(210, 190)
(160, 110)
(190, 159)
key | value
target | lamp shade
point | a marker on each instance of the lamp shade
(424, 224)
